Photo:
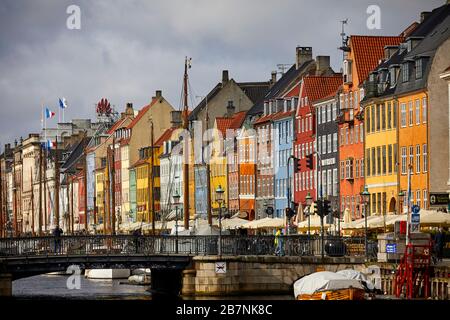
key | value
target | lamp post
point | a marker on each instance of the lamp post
(309, 201)
(365, 195)
(219, 198)
(176, 199)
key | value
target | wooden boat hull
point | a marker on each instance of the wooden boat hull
(343, 294)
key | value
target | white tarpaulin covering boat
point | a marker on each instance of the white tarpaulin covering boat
(324, 281)
(353, 274)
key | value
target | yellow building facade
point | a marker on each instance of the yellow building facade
(381, 147)
(413, 146)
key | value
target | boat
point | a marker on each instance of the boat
(107, 273)
(326, 285)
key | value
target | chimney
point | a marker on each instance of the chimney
(129, 109)
(322, 64)
(224, 77)
(424, 15)
(230, 109)
(175, 118)
(158, 93)
(273, 78)
(303, 54)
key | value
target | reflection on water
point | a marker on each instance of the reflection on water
(54, 287)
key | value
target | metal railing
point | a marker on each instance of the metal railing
(293, 245)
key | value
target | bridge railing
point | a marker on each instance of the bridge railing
(295, 245)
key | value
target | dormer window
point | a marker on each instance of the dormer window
(393, 76)
(405, 72)
(266, 108)
(419, 70)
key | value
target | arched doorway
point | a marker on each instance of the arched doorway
(392, 204)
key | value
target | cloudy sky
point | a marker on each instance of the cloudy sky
(125, 50)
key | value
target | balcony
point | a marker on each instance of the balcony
(345, 116)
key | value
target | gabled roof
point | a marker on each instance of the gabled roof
(255, 91)
(368, 50)
(235, 122)
(318, 87)
(76, 153)
(141, 113)
(280, 87)
(116, 126)
(165, 136)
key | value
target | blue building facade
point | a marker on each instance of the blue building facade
(283, 145)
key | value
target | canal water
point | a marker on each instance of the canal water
(55, 287)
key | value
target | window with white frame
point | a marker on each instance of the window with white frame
(411, 113)
(425, 157)
(335, 142)
(329, 145)
(335, 182)
(334, 112)
(424, 109)
(417, 111)
(356, 133)
(418, 197)
(418, 158)
(403, 115)
(329, 183)
(324, 144)
(404, 157)
(328, 112)
(425, 199)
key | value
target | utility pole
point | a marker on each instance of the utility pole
(56, 183)
(69, 224)
(152, 180)
(86, 216)
(32, 202)
(71, 205)
(40, 191)
(208, 175)
(44, 165)
(113, 187)
(107, 191)
(2, 222)
(15, 194)
(187, 64)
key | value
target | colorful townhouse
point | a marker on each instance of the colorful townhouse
(422, 124)
(219, 169)
(283, 146)
(381, 134)
(321, 93)
(361, 55)
(308, 141)
(261, 115)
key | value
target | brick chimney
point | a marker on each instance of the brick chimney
(273, 77)
(424, 15)
(322, 64)
(303, 54)
(225, 78)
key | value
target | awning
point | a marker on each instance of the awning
(233, 223)
(269, 223)
(240, 214)
(314, 223)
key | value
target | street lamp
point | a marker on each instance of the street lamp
(365, 195)
(176, 199)
(309, 200)
(219, 198)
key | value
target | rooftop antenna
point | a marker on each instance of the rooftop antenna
(344, 38)
(282, 67)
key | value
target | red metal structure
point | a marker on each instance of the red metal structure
(414, 272)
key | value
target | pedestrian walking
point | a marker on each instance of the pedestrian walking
(57, 232)
(439, 242)
(279, 243)
(137, 234)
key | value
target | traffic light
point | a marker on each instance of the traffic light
(297, 165)
(326, 207)
(319, 208)
(309, 161)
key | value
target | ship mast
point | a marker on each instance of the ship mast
(187, 64)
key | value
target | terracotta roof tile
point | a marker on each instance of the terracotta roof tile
(116, 126)
(235, 122)
(368, 50)
(281, 115)
(141, 113)
(165, 136)
(318, 87)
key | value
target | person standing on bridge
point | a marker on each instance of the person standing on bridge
(279, 243)
(57, 232)
(137, 234)
(439, 243)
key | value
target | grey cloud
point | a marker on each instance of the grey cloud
(126, 50)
